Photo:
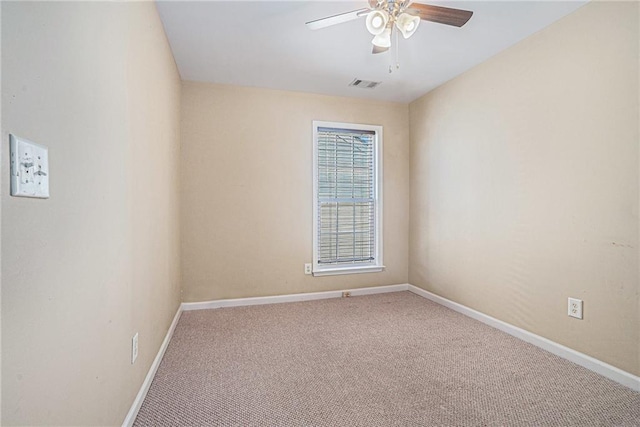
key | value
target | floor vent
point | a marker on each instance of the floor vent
(365, 84)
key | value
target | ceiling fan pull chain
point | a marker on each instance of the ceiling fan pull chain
(393, 36)
(397, 51)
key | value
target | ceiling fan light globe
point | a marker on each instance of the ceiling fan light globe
(407, 24)
(383, 39)
(377, 21)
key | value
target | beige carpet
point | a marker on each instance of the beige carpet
(381, 360)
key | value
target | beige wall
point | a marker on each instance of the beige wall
(2, 159)
(247, 190)
(524, 184)
(98, 261)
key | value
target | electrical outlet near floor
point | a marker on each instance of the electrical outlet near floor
(575, 308)
(307, 269)
(134, 348)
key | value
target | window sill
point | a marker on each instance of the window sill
(348, 270)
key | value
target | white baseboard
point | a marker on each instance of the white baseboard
(593, 364)
(137, 403)
(238, 302)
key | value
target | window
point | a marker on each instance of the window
(347, 202)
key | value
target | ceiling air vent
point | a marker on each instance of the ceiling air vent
(365, 84)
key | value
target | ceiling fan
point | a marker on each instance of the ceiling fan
(382, 15)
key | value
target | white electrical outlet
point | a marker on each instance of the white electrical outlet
(134, 348)
(575, 308)
(307, 269)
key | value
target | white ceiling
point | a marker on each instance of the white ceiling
(266, 44)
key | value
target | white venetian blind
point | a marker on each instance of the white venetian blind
(346, 203)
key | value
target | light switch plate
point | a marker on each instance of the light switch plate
(29, 168)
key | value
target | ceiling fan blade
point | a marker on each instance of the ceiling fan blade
(378, 49)
(441, 15)
(336, 19)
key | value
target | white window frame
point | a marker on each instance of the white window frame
(377, 264)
